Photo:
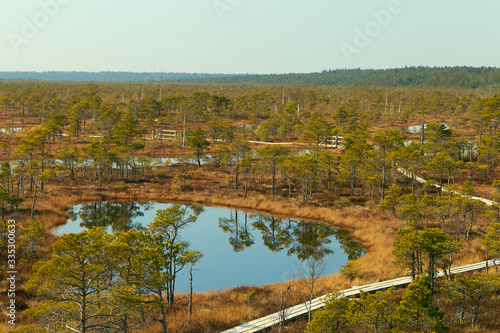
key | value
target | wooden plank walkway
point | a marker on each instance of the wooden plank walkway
(269, 321)
(422, 180)
(324, 145)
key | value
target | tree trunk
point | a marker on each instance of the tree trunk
(476, 312)
(33, 205)
(431, 273)
(125, 323)
(83, 314)
(470, 153)
(440, 184)
(462, 310)
(273, 178)
(310, 301)
(469, 229)
(184, 132)
(163, 317)
(190, 291)
(352, 185)
(41, 180)
(236, 174)
(423, 135)
(246, 185)
(72, 170)
(100, 177)
(487, 258)
(383, 183)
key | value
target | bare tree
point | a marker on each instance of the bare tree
(283, 311)
(192, 258)
(314, 267)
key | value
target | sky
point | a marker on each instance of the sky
(246, 36)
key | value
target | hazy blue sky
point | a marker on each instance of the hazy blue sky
(246, 36)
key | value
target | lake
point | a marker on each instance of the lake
(239, 248)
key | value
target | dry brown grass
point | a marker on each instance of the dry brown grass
(218, 310)
(215, 311)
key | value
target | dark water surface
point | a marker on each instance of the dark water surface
(239, 248)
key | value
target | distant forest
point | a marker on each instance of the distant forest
(423, 77)
(104, 76)
(459, 77)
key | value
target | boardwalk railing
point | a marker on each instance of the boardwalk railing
(422, 180)
(158, 134)
(302, 309)
(336, 142)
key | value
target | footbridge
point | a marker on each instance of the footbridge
(265, 323)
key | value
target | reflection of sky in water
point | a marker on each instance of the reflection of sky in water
(10, 130)
(154, 161)
(204, 159)
(248, 126)
(416, 128)
(222, 267)
(408, 142)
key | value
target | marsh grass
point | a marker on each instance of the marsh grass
(217, 310)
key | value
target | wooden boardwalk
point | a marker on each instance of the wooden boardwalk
(336, 142)
(300, 310)
(444, 189)
(269, 321)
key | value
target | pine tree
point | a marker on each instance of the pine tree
(416, 313)
(198, 143)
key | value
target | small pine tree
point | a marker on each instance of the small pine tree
(416, 313)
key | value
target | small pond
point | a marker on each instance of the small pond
(240, 248)
(155, 161)
(248, 126)
(204, 159)
(10, 130)
(417, 128)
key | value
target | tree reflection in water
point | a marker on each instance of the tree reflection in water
(240, 236)
(275, 232)
(298, 237)
(351, 247)
(269, 249)
(118, 216)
